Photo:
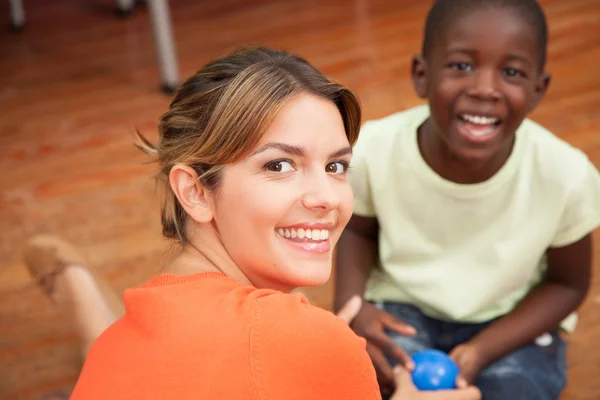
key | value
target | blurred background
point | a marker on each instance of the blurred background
(80, 75)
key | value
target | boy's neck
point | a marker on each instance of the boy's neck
(438, 156)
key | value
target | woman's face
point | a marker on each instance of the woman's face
(280, 211)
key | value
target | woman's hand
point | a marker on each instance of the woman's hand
(406, 390)
(351, 309)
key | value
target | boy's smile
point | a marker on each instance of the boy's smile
(482, 77)
(478, 128)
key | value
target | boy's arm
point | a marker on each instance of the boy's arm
(563, 289)
(356, 253)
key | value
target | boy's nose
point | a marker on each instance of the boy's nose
(485, 86)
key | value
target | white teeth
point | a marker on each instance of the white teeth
(312, 234)
(479, 120)
(481, 133)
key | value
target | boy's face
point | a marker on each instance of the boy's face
(482, 77)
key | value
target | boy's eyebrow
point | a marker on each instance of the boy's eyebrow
(462, 50)
(472, 52)
(297, 150)
(519, 58)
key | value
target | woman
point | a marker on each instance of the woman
(253, 156)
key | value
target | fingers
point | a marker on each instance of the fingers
(403, 379)
(395, 325)
(470, 393)
(351, 309)
(461, 382)
(383, 369)
(405, 389)
(389, 347)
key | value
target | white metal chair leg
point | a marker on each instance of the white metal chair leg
(17, 14)
(125, 7)
(164, 42)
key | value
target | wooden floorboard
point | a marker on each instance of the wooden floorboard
(77, 80)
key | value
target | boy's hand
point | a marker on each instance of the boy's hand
(406, 390)
(370, 324)
(469, 361)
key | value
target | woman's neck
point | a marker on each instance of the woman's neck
(210, 256)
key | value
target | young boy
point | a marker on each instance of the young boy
(477, 220)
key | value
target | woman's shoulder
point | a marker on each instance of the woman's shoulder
(293, 308)
(279, 318)
(307, 347)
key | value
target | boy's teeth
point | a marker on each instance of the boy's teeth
(308, 234)
(479, 120)
(481, 132)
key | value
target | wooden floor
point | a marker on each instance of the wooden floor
(75, 83)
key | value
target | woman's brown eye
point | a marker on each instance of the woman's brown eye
(336, 168)
(275, 167)
(280, 166)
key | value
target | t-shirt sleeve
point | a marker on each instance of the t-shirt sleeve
(358, 175)
(581, 214)
(301, 352)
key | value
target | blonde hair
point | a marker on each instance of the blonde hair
(221, 112)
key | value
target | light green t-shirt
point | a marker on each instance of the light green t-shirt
(468, 253)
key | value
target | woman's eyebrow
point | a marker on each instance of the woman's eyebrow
(297, 150)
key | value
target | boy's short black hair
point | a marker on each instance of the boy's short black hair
(444, 12)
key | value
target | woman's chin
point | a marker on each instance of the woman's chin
(311, 276)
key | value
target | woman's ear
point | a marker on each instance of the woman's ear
(192, 196)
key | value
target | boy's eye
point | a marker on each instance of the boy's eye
(514, 73)
(337, 168)
(280, 166)
(461, 66)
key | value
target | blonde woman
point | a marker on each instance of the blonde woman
(253, 156)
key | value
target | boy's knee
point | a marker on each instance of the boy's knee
(509, 383)
(511, 378)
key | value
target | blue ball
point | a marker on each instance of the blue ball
(434, 370)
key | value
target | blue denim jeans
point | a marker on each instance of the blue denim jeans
(532, 372)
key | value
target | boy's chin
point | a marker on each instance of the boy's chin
(474, 157)
(479, 155)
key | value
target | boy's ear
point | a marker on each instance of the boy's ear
(193, 197)
(541, 87)
(418, 74)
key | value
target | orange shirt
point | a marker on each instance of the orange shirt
(206, 336)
